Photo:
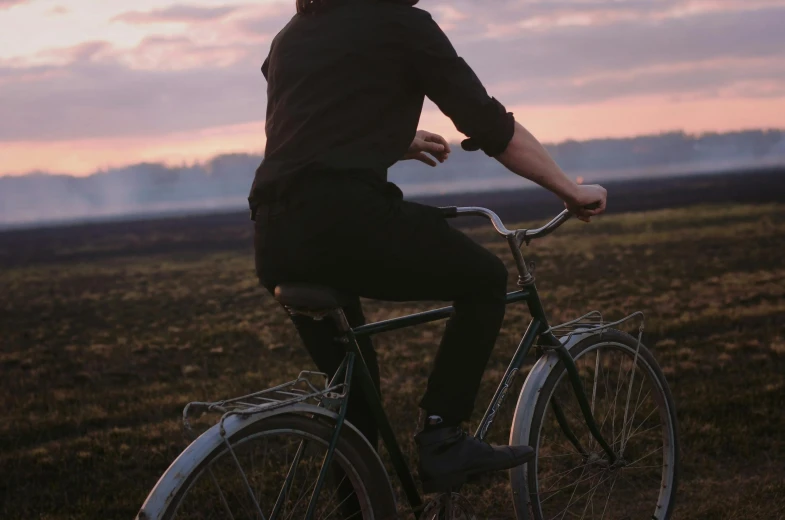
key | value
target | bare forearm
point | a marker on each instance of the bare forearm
(525, 156)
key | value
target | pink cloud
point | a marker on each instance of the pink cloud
(263, 19)
(177, 13)
(88, 51)
(182, 53)
(5, 4)
(508, 19)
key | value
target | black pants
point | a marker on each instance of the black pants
(365, 240)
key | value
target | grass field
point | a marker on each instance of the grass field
(99, 355)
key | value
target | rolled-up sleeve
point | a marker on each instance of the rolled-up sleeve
(450, 83)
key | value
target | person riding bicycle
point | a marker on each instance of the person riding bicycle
(346, 85)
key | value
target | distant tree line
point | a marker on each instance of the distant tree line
(224, 181)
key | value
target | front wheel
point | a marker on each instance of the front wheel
(572, 476)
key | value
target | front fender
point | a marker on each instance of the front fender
(521, 421)
(173, 478)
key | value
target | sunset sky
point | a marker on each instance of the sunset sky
(89, 84)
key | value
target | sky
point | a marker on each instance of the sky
(93, 84)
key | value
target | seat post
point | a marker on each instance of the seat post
(339, 317)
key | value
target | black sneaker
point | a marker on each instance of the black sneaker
(448, 457)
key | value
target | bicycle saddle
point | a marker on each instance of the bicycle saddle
(310, 297)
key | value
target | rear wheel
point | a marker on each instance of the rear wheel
(633, 406)
(281, 458)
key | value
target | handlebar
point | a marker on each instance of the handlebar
(517, 237)
(520, 235)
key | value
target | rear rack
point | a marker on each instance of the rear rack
(589, 323)
(299, 390)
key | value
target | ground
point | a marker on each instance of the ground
(103, 341)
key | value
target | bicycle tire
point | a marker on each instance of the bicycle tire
(351, 455)
(615, 339)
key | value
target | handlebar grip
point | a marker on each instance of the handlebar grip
(449, 211)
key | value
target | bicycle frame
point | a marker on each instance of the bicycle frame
(537, 328)
(538, 324)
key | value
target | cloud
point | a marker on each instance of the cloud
(8, 4)
(177, 13)
(173, 53)
(548, 65)
(507, 17)
(84, 52)
(103, 98)
(560, 52)
(266, 20)
(5, 4)
(161, 85)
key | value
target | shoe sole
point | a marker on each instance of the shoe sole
(447, 483)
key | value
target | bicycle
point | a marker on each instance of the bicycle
(595, 407)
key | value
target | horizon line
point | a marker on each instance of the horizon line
(201, 162)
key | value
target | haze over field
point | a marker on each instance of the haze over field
(224, 181)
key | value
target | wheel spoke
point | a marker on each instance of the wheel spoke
(556, 491)
(610, 491)
(303, 493)
(610, 407)
(635, 408)
(340, 503)
(627, 404)
(283, 495)
(247, 484)
(652, 452)
(571, 501)
(636, 432)
(590, 501)
(615, 397)
(573, 491)
(643, 421)
(561, 476)
(337, 487)
(540, 457)
(221, 494)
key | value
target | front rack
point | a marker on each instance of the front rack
(592, 322)
(299, 390)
